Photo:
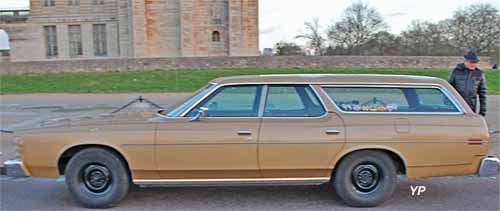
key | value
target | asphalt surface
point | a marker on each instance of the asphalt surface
(444, 193)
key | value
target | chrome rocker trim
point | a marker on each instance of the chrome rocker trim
(231, 182)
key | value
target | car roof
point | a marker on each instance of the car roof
(330, 78)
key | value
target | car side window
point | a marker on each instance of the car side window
(292, 101)
(231, 101)
(433, 100)
(368, 99)
(390, 99)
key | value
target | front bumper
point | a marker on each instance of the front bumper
(15, 168)
(489, 167)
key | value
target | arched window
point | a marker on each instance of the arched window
(4, 40)
(216, 36)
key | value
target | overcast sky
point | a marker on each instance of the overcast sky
(284, 19)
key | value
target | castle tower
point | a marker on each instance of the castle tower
(166, 28)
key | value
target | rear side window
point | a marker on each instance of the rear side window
(292, 101)
(391, 99)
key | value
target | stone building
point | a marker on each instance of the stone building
(87, 29)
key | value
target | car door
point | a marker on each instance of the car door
(299, 137)
(221, 145)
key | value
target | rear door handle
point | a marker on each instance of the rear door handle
(244, 132)
(332, 132)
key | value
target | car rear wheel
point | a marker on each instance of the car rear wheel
(97, 178)
(365, 178)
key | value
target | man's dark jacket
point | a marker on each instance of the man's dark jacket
(470, 83)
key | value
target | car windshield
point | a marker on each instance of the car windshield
(176, 112)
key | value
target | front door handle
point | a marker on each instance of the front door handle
(244, 132)
(332, 132)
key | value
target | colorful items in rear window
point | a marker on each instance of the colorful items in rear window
(372, 106)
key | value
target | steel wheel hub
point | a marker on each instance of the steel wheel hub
(96, 178)
(365, 177)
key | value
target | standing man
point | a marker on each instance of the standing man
(470, 82)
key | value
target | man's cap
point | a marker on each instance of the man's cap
(471, 56)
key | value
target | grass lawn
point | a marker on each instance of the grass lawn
(177, 81)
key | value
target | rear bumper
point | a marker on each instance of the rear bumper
(15, 168)
(489, 167)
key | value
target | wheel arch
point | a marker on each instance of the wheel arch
(69, 152)
(401, 163)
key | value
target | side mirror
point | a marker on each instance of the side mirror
(202, 113)
(161, 113)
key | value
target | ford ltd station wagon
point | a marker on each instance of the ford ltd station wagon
(358, 132)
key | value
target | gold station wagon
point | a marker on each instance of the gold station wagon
(355, 131)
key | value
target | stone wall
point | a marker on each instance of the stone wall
(24, 41)
(101, 65)
(4, 56)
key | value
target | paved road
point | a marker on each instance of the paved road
(446, 193)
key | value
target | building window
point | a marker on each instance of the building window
(75, 40)
(4, 41)
(217, 21)
(100, 46)
(50, 40)
(49, 3)
(98, 2)
(216, 36)
(73, 2)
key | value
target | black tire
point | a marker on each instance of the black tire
(97, 178)
(365, 178)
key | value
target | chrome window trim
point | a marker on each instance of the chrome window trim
(321, 84)
(263, 100)
(457, 105)
(265, 87)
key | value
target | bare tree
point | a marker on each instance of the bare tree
(476, 27)
(358, 25)
(426, 38)
(383, 43)
(315, 40)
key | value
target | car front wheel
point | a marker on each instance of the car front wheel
(365, 178)
(97, 178)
